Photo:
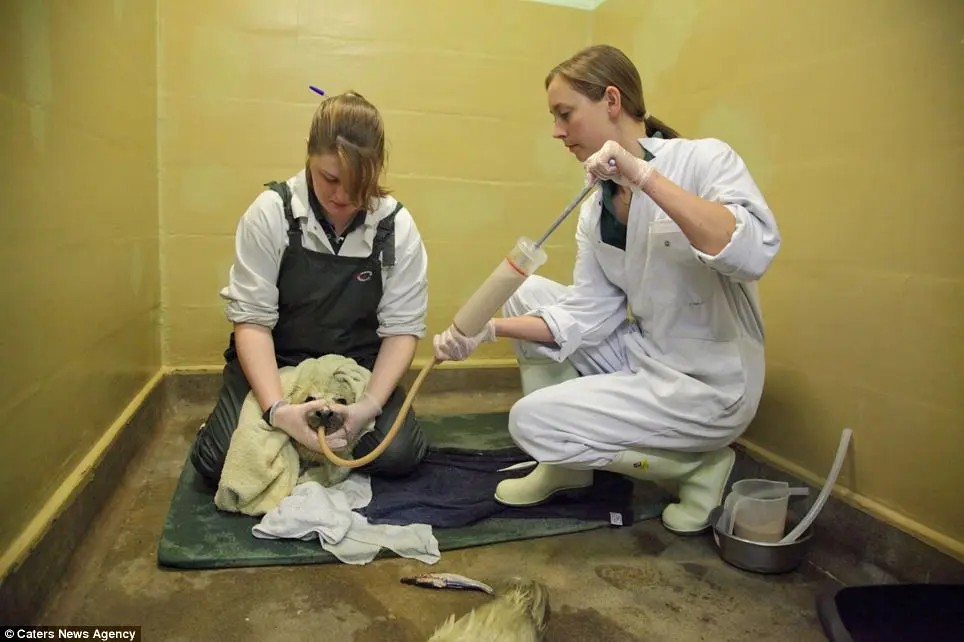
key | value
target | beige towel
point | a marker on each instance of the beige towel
(263, 464)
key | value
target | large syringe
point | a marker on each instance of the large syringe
(521, 263)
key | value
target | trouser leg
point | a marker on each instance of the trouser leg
(407, 449)
(539, 372)
(211, 444)
(539, 292)
(608, 418)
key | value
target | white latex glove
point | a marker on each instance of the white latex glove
(355, 418)
(452, 345)
(293, 420)
(628, 171)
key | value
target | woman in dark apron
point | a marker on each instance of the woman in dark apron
(325, 263)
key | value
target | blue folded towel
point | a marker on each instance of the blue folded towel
(455, 487)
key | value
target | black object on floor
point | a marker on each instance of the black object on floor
(455, 487)
(893, 612)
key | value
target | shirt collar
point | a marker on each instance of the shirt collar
(357, 220)
(305, 203)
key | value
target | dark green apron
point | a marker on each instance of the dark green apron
(328, 304)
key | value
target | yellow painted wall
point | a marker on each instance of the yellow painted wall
(460, 85)
(78, 235)
(849, 114)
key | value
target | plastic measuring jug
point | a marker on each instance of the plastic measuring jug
(758, 509)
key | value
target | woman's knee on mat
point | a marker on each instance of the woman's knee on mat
(210, 448)
(402, 456)
(527, 426)
(409, 446)
(207, 457)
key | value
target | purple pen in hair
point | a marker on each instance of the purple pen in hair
(316, 90)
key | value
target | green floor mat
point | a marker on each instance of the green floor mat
(197, 535)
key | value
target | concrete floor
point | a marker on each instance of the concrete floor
(639, 583)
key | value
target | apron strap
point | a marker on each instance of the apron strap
(384, 243)
(282, 189)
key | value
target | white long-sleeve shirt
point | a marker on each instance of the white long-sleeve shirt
(262, 236)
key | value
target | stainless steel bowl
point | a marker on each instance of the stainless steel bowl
(759, 557)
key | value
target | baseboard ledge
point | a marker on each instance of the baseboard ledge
(33, 565)
(200, 384)
(943, 543)
(858, 540)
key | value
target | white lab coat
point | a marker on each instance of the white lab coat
(669, 340)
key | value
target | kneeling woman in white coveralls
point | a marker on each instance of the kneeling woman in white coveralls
(651, 364)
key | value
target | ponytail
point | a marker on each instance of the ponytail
(655, 128)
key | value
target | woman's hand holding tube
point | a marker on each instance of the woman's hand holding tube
(292, 419)
(452, 345)
(627, 170)
(354, 417)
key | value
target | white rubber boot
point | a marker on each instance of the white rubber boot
(701, 478)
(541, 484)
(545, 480)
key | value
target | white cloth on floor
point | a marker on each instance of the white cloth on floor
(327, 513)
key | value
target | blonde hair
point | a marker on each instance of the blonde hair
(593, 69)
(351, 127)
